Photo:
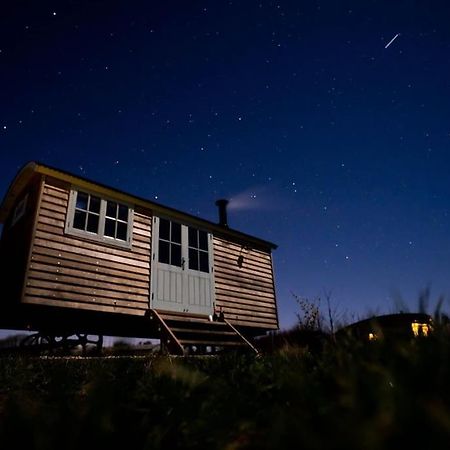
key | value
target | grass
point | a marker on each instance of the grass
(354, 396)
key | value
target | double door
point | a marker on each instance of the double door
(182, 268)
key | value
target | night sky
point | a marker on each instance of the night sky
(330, 142)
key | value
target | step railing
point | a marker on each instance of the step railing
(168, 339)
(242, 336)
(174, 344)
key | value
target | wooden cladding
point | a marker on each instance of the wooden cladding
(244, 285)
(66, 270)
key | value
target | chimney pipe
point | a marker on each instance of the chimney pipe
(222, 205)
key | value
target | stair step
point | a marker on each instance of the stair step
(189, 319)
(166, 312)
(212, 343)
(182, 315)
(204, 331)
(197, 330)
(194, 323)
(169, 316)
(210, 339)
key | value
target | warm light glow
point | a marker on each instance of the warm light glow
(420, 329)
(372, 337)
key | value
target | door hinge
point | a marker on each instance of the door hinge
(153, 256)
(153, 295)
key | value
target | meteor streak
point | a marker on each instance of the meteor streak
(392, 40)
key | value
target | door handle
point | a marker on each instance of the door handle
(183, 261)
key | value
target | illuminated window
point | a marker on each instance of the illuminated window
(420, 329)
(373, 337)
(99, 219)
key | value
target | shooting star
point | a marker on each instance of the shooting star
(392, 40)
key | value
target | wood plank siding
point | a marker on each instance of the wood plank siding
(244, 285)
(67, 270)
(71, 271)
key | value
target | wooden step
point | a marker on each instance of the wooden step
(212, 343)
(166, 312)
(197, 326)
(192, 330)
(174, 315)
(176, 331)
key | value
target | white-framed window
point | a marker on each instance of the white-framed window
(19, 211)
(169, 246)
(178, 244)
(198, 250)
(99, 218)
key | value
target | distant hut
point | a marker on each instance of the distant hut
(390, 326)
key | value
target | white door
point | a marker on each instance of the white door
(182, 275)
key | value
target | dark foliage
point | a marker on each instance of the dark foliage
(350, 395)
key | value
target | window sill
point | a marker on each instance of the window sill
(92, 237)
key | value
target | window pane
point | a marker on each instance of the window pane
(193, 237)
(164, 252)
(204, 265)
(176, 233)
(203, 240)
(121, 231)
(123, 213)
(94, 205)
(110, 228)
(92, 223)
(111, 209)
(82, 200)
(175, 256)
(193, 259)
(79, 220)
(164, 229)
